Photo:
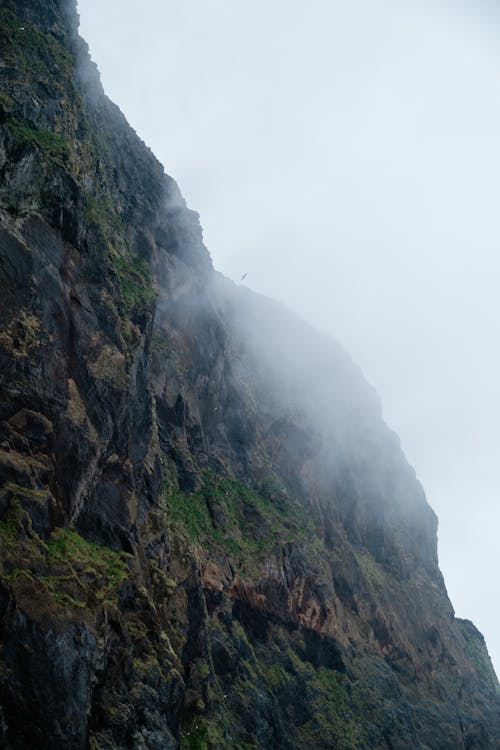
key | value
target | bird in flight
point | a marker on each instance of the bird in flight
(244, 276)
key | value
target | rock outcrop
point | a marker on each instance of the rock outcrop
(208, 536)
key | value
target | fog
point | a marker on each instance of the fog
(346, 157)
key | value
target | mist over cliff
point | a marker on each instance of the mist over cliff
(208, 536)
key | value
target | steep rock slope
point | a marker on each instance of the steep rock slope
(208, 536)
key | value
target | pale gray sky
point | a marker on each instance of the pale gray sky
(347, 157)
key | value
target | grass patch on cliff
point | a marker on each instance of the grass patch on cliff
(333, 721)
(99, 210)
(18, 489)
(317, 704)
(41, 64)
(32, 52)
(82, 573)
(197, 733)
(239, 521)
(67, 547)
(136, 286)
(371, 569)
(38, 62)
(52, 145)
(66, 568)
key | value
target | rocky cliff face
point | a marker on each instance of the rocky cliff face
(208, 537)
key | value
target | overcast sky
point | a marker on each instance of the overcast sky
(346, 155)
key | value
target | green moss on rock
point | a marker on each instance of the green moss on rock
(31, 51)
(239, 521)
(137, 291)
(52, 144)
(70, 570)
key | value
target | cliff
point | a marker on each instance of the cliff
(208, 536)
